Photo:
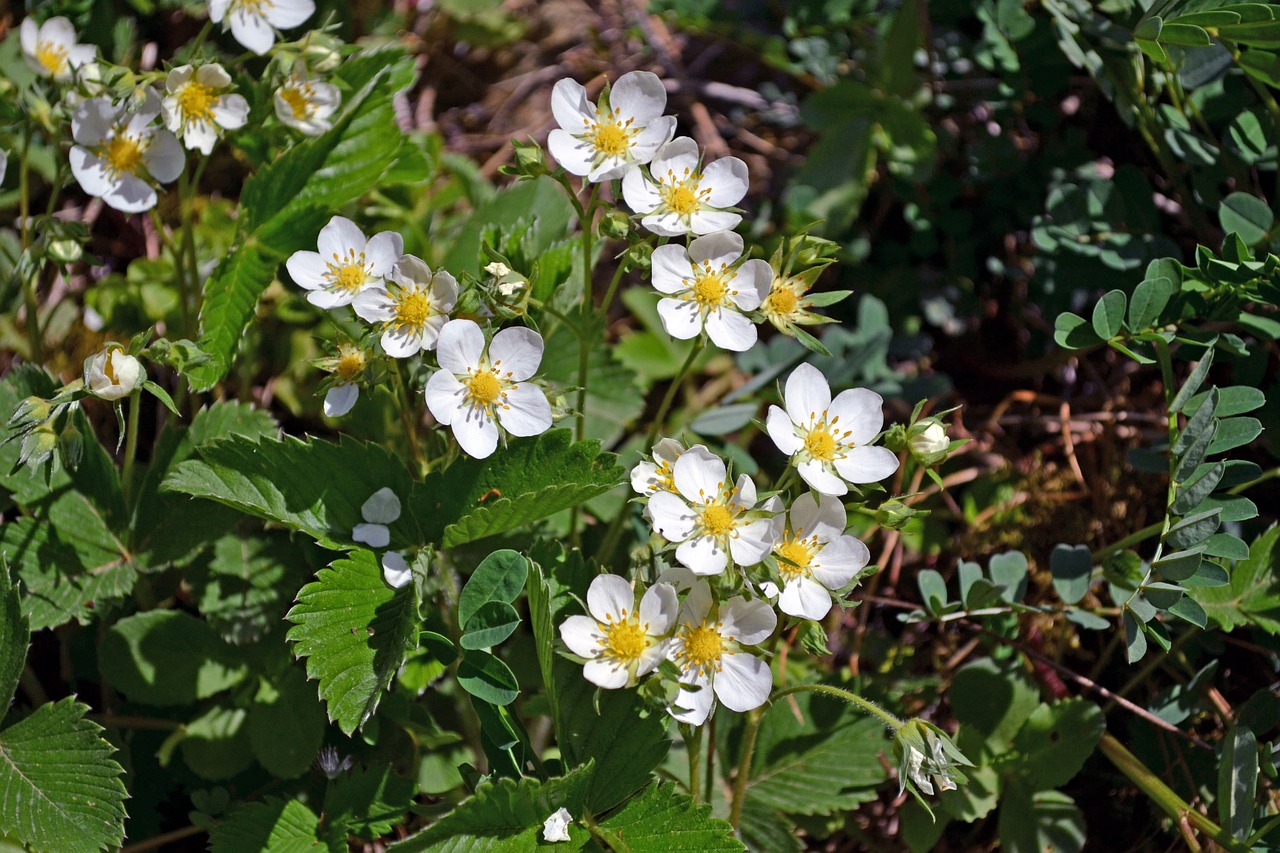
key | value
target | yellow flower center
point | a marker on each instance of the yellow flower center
(252, 7)
(109, 368)
(412, 310)
(681, 199)
(710, 290)
(782, 301)
(197, 101)
(123, 154)
(797, 552)
(821, 444)
(484, 387)
(703, 647)
(610, 139)
(297, 101)
(665, 477)
(52, 56)
(348, 274)
(624, 641)
(717, 519)
(350, 364)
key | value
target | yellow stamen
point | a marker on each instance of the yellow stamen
(609, 139)
(52, 56)
(412, 310)
(821, 444)
(123, 154)
(351, 363)
(717, 520)
(782, 301)
(197, 101)
(297, 101)
(703, 647)
(484, 387)
(624, 641)
(681, 199)
(710, 290)
(797, 552)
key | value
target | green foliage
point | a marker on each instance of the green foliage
(286, 724)
(60, 790)
(167, 657)
(354, 632)
(273, 825)
(15, 634)
(1252, 598)
(369, 802)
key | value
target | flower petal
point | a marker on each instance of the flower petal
(460, 345)
(475, 431)
(582, 635)
(672, 271)
(340, 399)
(395, 571)
(252, 30)
(743, 682)
(516, 352)
(703, 555)
(861, 411)
(752, 282)
(639, 95)
(382, 252)
(727, 180)
(525, 410)
(339, 237)
(639, 192)
(658, 608)
(804, 599)
(382, 507)
(610, 598)
(753, 542)
(697, 704)
(570, 106)
(699, 474)
(287, 14)
(749, 621)
(445, 396)
(307, 270)
(677, 156)
(373, 535)
(867, 464)
(806, 395)
(681, 318)
(720, 248)
(731, 330)
(708, 221)
(606, 674)
(820, 478)
(671, 517)
(164, 158)
(782, 431)
(576, 156)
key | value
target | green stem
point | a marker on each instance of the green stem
(865, 705)
(613, 289)
(743, 776)
(670, 396)
(588, 307)
(1163, 796)
(406, 421)
(192, 287)
(32, 281)
(693, 745)
(130, 444)
(1132, 539)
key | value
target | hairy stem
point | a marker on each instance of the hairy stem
(743, 774)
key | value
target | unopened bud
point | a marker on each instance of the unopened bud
(38, 445)
(113, 374)
(895, 515)
(638, 258)
(66, 251)
(530, 160)
(615, 224)
(929, 442)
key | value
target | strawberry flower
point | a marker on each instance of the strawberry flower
(709, 291)
(679, 196)
(608, 140)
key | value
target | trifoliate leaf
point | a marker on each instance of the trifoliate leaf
(216, 745)
(245, 586)
(286, 724)
(354, 631)
(60, 790)
(1055, 741)
(274, 826)
(659, 819)
(167, 657)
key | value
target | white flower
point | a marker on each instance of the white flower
(412, 308)
(929, 443)
(620, 641)
(681, 197)
(475, 386)
(306, 105)
(119, 153)
(347, 367)
(926, 755)
(816, 556)
(395, 571)
(346, 264)
(708, 648)
(51, 50)
(254, 22)
(113, 373)
(710, 518)
(827, 439)
(197, 109)
(648, 477)
(556, 827)
(707, 292)
(382, 508)
(606, 141)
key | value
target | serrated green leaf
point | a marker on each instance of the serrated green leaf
(815, 756)
(286, 724)
(766, 830)
(504, 817)
(288, 200)
(292, 483)
(500, 577)
(354, 631)
(1072, 569)
(1108, 314)
(244, 588)
(1253, 595)
(531, 479)
(15, 635)
(60, 790)
(272, 826)
(659, 820)
(167, 657)
(1248, 216)
(486, 677)
(1238, 781)
(368, 801)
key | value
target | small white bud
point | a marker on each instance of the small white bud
(113, 373)
(930, 444)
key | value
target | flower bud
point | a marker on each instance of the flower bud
(529, 160)
(929, 442)
(38, 445)
(321, 53)
(615, 224)
(31, 411)
(66, 251)
(113, 373)
(638, 258)
(926, 756)
(895, 515)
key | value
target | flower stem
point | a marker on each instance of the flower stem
(130, 444)
(31, 281)
(676, 382)
(693, 746)
(406, 421)
(891, 722)
(743, 775)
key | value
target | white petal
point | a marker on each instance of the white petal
(307, 270)
(703, 555)
(804, 514)
(404, 342)
(720, 248)
(672, 271)
(582, 635)
(699, 474)
(570, 106)
(668, 450)
(395, 571)
(340, 399)
(828, 521)
(727, 180)
(867, 464)
(525, 410)
(605, 674)
(327, 299)
(130, 194)
(382, 507)
(516, 352)
(658, 608)
(782, 431)
(29, 36)
(410, 271)
(287, 14)
(639, 192)
(838, 561)
(92, 120)
(164, 157)
(680, 317)
(339, 237)
(373, 304)
(645, 144)
(696, 704)
(672, 518)
(200, 136)
(676, 156)
(743, 683)
(475, 431)
(570, 152)
(753, 542)
(820, 478)
(806, 395)
(232, 112)
(460, 346)
(731, 330)
(639, 95)
(212, 75)
(90, 171)
(445, 396)
(749, 621)
(752, 282)
(217, 9)
(665, 224)
(804, 599)
(861, 411)
(708, 221)
(610, 598)
(382, 252)
(252, 31)
(373, 535)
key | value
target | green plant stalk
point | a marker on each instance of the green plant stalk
(193, 290)
(130, 446)
(865, 705)
(406, 422)
(743, 775)
(1163, 796)
(693, 746)
(676, 383)
(30, 284)
(588, 307)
